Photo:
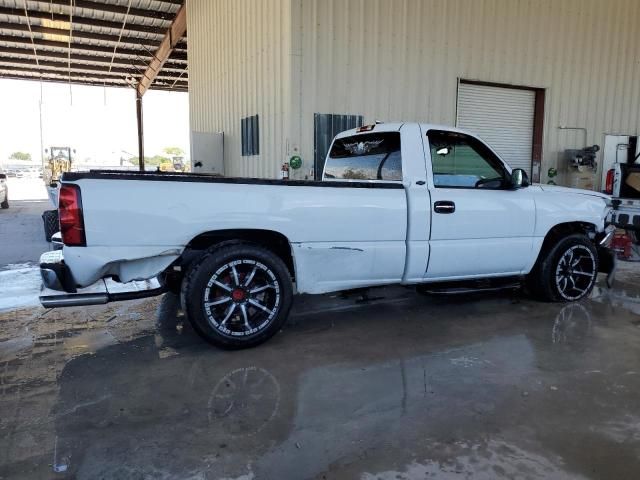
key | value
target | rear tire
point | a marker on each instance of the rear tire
(51, 223)
(5, 204)
(567, 272)
(237, 296)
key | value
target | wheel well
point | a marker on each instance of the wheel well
(563, 230)
(273, 241)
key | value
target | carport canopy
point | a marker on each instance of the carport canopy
(138, 44)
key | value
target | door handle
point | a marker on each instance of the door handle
(444, 206)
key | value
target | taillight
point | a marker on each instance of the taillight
(71, 221)
(608, 186)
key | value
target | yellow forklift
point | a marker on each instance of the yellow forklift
(174, 164)
(59, 161)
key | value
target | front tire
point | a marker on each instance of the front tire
(5, 204)
(238, 296)
(567, 272)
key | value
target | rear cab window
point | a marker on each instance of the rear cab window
(365, 157)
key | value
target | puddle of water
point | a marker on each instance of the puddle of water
(493, 460)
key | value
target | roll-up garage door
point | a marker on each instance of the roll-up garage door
(502, 117)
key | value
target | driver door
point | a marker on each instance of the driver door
(480, 226)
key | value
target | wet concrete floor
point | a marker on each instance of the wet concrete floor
(22, 232)
(402, 387)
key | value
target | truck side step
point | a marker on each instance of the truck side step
(460, 290)
(471, 286)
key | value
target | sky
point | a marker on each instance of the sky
(99, 122)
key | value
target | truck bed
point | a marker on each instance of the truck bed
(138, 223)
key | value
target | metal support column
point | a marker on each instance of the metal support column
(140, 131)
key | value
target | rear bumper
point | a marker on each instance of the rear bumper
(55, 273)
(59, 290)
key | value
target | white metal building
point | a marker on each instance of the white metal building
(533, 77)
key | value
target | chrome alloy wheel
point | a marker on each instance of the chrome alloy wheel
(241, 298)
(576, 272)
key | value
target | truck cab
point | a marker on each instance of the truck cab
(470, 214)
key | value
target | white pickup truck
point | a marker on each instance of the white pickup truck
(406, 203)
(623, 183)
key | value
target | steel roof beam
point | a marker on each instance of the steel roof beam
(178, 56)
(78, 70)
(111, 8)
(81, 34)
(97, 83)
(172, 36)
(62, 78)
(92, 22)
(83, 66)
(47, 54)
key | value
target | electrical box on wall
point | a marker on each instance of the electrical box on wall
(207, 152)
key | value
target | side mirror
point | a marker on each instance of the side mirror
(519, 178)
(443, 151)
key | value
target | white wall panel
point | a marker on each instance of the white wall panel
(238, 67)
(401, 60)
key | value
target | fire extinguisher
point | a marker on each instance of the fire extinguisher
(284, 171)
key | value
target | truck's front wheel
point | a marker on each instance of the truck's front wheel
(238, 296)
(568, 271)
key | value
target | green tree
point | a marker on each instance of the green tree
(173, 151)
(155, 160)
(20, 156)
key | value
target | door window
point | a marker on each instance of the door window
(461, 161)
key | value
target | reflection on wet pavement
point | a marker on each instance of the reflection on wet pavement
(489, 386)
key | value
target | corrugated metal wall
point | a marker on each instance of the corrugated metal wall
(238, 67)
(401, 59)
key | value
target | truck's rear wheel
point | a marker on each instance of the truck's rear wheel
(567, 272)
(238, 296)
(51, 223)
